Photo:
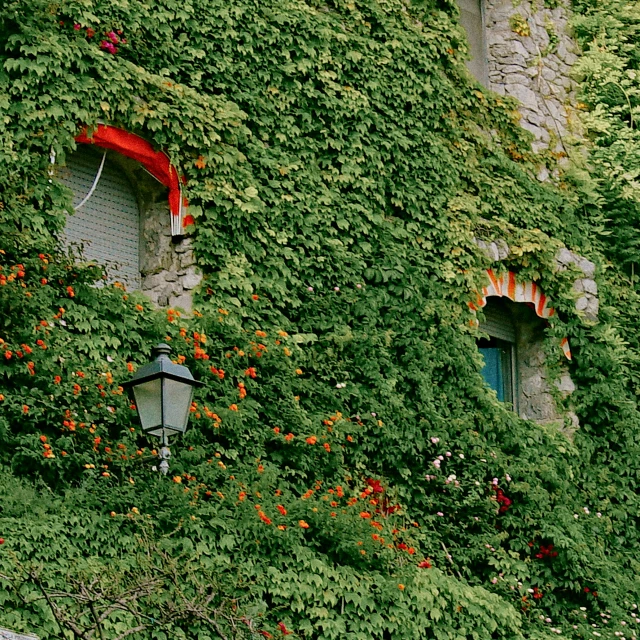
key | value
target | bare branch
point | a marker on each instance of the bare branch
(141, 627)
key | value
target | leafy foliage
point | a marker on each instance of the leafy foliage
(339, 164)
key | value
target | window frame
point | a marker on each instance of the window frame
(510, 385)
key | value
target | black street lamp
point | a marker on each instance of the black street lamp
(162, 392)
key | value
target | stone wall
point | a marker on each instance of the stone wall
(535, 399)
(530, 53)
(168, 271)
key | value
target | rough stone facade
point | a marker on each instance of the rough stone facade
(535, 398)
(529, 56)
(5, 634)
(168, 271)
(535, 401)
(586, 288)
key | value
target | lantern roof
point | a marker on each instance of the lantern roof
(162, 367)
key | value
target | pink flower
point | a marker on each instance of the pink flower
(76, 27)
(440, 514)
(113, 37)
(108, 47)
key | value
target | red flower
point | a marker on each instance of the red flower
(425, 564)
(251, 372)
(188, 221)
(504, 501)
(375, 485)
(90, 33)
(283, 628)
(546, 551)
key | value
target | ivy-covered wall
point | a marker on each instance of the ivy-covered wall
(346, 474)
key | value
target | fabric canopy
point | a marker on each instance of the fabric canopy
(529, 292)
(155, 162)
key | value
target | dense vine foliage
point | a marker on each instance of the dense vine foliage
(346, 473)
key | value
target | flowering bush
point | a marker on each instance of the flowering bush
(345, 473)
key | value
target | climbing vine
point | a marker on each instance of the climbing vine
(346, 473)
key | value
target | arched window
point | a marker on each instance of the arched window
(106, 218)
(472, 19)
(514, 317)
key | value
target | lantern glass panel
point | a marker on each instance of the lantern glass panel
(177, 402)
(149, 404)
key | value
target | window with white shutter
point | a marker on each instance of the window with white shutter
(106, 221)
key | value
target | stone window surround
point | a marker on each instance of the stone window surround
(587, 304)
(535, 397)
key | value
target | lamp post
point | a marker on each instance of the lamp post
(162, 392)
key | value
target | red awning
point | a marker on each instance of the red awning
(155, 162)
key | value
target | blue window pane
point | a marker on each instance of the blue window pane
(492, 371)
